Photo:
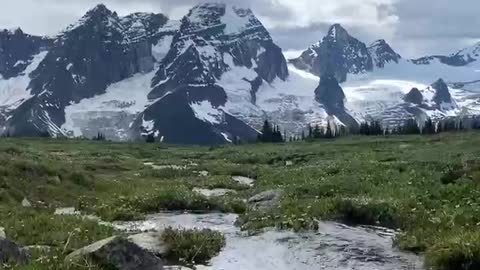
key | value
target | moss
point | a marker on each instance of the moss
(458, 252)
(193, 246)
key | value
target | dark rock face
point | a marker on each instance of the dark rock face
(330, 94)
(99, 50)
(17, 50)
(442, 94)
(175, 121)
(456, 61)
(339, 51)
(117, 253)
(382, 53)
(11, 253)
(414, 96)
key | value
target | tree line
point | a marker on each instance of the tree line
(271, 133)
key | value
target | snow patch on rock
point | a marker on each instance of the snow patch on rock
(15, 90)
(205, 111)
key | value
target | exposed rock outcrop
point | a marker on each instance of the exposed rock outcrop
(266, 200)
(117, 253)
(12, 253)
(414, 96)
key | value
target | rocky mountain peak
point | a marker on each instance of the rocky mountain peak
(219, 19)
(99, 10)
(213, 38)
(337, 32)
(469, 54)
(14, 31)
(338, 51)
(99, 18)
(382, 53)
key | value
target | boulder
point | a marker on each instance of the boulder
(117, 253)
(11, 253)
(26, 203)
(151, 241)
(2, 233)
(266, 200)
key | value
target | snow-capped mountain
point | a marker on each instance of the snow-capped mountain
(382, 53)
(214, 77)
(389, 89)
(213, 40)
(338, 51)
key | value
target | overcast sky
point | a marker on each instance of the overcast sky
(413, 27)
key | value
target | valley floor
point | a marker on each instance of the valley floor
(426, 187)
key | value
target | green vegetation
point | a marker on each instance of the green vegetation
(193, 246)
(426, 186)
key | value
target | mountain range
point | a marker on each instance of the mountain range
(214, 77)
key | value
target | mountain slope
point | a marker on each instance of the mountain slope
(99, 50)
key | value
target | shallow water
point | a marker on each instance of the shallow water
(334, 246)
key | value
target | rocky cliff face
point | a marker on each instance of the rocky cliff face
(414, 96)
(337, 50)
(330, 94)
(442, 95)
(17, 50)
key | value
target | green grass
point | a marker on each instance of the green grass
(193, 246)
(426, 186)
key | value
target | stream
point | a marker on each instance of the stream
(334, 246)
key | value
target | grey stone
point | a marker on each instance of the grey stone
(266, 200)
(55, 180)
(210, 193)
(12, 253)
(244, 180)
(119, 253)
(2, 233)
(151, 241)
(26, 203)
